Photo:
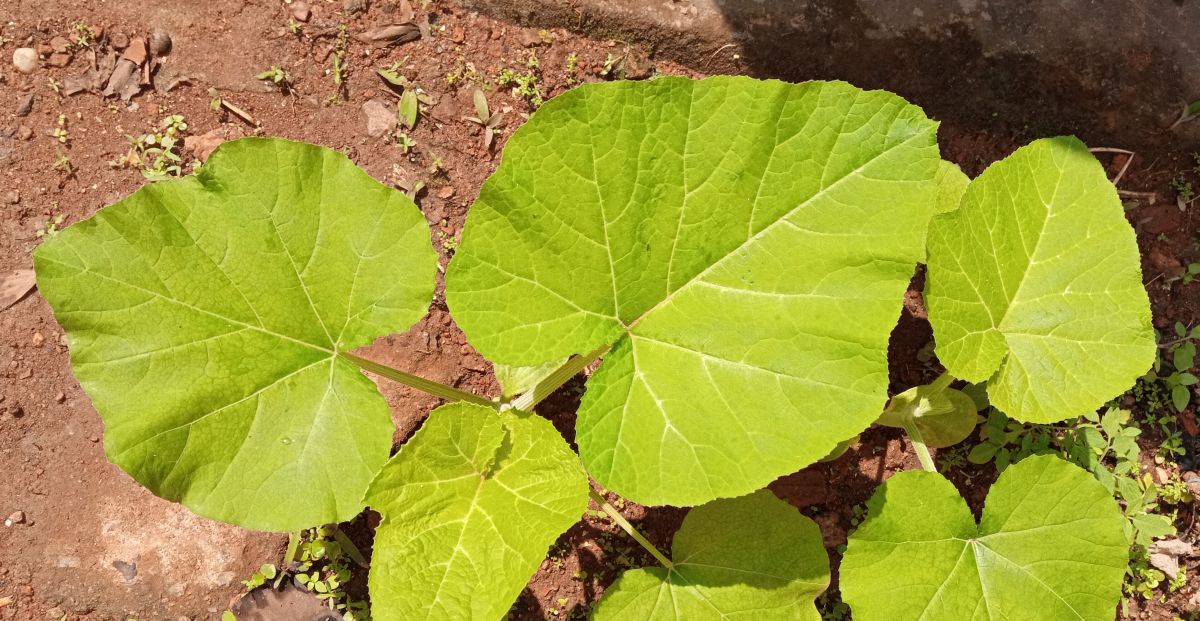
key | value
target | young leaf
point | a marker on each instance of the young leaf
(951, 184)
(1051, 545)
(205, 316)
(1036, 277)
(717, 233)
(944, 417)
(516, 380)
(753, 557)
(407, 108)
(470, 505)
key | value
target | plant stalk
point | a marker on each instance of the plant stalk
(628, 528)
(560, 376)
(918, 442)
(436, 389)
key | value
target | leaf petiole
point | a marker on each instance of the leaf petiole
(628, 528)
(552, 382)
(918, 442)
(436, 389)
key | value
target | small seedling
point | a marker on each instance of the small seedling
(572, 69)
(525, 85)
(276, 76)
(157, 154)
(339, 68)
(393, 76)
(408, 108)
(60, 130)
(1184, 192)
(485, 119)
(84, 35)
(405, 143)
(264, 574)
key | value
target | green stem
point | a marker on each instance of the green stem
(627, 527)
(289, 555)
(941, 383)
(560, 376)
(448, 393)
(918, 442)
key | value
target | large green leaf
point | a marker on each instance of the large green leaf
(470, 505)
(719, 233)
(754, 557)
(205, 315)
(1035, 285)
(1050, 546)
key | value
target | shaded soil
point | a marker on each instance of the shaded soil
(83, 514)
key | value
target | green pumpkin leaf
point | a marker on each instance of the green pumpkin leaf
(717, 233)
(1035, 278)
(944, 416)
(470, 505)
(951, 184)
(205, 315)
(1051, 545)
(754, 557)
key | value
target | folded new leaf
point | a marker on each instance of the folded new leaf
(719, 234)
(205, 315)
(1035, 285)
(1050, 546)
(470, 505)
(752, 558)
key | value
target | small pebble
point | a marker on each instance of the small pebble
(160, 43)
(25, 105)
(25, 59)
(59, 60)
(60, 44)
(17, 517)
(38, 339)
(300, 10)
(12, 197)
(119, 40)
(60, 397)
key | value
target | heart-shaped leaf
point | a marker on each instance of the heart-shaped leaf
(717, 233)
(205, 316)
(470, 505)
(1035, 278)
(1050, 546)
(754, 557)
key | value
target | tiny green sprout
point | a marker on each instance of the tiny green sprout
(51, 227)
(524, 86)
(60, 130)
(392, 74)
(266, 572)
(294, 26)
(546, 36)
(63, 163)
(437, 166)
(55, 86)
(405, 143)
(1184, 192)
(485, 119)
(339, 67)
(1190, 273)
(84, 35)
(572, 69)
(609, 67)
(228, 616)
(274, 75)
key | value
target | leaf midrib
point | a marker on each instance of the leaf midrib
(197, 309)
(768, 228)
